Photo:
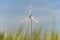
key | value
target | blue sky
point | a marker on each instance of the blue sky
(12, 11)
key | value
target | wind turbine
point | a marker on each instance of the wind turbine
(31, 18)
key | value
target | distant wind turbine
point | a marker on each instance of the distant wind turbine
(31, 18)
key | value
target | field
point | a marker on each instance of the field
(36, 34)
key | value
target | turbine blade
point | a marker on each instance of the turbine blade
(34, 19)
(30, 9)
(24, 20)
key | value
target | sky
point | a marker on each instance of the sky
(12, 11)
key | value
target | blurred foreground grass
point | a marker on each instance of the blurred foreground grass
(36, 34)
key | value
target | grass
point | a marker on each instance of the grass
(25, 36)
(36, 34)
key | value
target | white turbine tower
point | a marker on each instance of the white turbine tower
(31, 18)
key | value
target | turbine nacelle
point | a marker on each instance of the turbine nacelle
(29, 16)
